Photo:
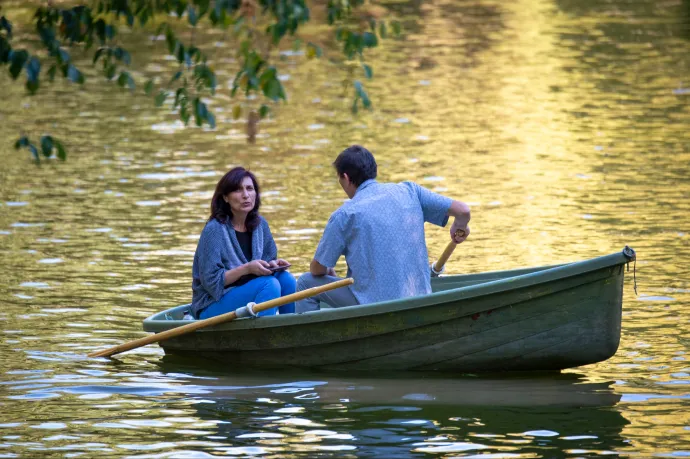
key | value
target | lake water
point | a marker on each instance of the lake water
(566, 126)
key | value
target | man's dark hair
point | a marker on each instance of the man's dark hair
(357, 162)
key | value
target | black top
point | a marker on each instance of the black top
(245, 240)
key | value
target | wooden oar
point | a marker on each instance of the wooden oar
(438, 266)
(227, 317)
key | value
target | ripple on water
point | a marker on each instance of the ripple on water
(50, 426)
(655, 298)
(35, 285)
(447, 447)
(51, 261)
(540, 433)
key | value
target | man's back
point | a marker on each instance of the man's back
(381, 233)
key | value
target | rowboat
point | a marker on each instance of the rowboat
(533, 319)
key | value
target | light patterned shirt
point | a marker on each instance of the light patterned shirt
(380, 231)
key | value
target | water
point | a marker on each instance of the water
(564, 124)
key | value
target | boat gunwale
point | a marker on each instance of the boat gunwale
(501, 285)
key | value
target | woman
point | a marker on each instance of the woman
(236, 259)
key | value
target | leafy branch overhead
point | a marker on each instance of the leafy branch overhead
(257, 26)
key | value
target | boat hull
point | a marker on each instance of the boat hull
(542, 319)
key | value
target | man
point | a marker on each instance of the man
(380, 230)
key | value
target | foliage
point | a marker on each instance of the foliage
(257, 26)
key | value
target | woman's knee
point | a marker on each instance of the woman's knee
(287, 281)
(271, 284)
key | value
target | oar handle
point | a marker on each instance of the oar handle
(227, 317)
(438, 266)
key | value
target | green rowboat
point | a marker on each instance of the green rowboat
(544, 319)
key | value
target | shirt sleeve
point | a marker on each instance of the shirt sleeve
(211, 268)
(434, 206)
(270, 250)
(332, 244)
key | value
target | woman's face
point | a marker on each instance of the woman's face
(242, 201)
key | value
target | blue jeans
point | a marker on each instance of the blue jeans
(258, 290)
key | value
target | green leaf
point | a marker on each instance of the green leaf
(7, 25)
(369, 40)
(21, 142)
(184, 115)
(175, 77)
(110, 31)
(47, 145)
(192, 16)
(180, 53)
(180, 98)
(110, 71)
(61, 152)
(264, 111)
(74, 74)
(63, 56)
(148, 87)
(360, 93)
(32, 86)
(160, 98)
(98, 53)
(34, 152)
(382, 30)
(51, 72)
(396, 27)
(368, 72)
(33, 68)
(211, 119)
(236, 112)
(313, 51)
(171, 40)
(122, 55)
(17, 59)
(125, 79)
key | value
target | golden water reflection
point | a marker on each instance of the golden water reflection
(563, 123)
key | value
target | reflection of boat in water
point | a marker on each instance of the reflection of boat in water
(403, 415)
(552, 390)
(546, 318)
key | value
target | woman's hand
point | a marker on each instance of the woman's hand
(258, 268)
(282, 262)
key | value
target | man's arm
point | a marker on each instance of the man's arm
(317, 269)
(461, 212)
(331, 247)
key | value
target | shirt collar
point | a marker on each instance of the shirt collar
(364, 185)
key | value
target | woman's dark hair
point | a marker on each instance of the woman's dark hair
(357, 162)
(232, 181)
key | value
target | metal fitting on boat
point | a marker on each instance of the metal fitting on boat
(246, 311)
(435, 273)
(629, 252)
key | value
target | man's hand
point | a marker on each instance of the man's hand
(331, 272)
(459, 233)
